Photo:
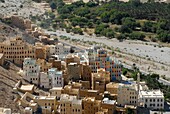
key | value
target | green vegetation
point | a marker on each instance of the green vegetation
(104, 30)
(78, 31)
(137, 35)
(132, 19)
(129, 111)
(7, 21)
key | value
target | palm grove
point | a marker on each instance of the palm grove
(132, 20)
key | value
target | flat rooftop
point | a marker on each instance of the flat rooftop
(94, 91)
(46, 97)
(77, 102)
(72, 63)
(27, 87)
(152, 94)
(112, 85)
(107, 101)
(52, 69)
(59, 72)
(66, 97)
(56, 88)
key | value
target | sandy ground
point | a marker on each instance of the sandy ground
(139, 48)
(144, 64)
(148, 56)
(145, 50)
(24, 8)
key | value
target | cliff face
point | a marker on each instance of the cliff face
(8, 79)
(7, 32)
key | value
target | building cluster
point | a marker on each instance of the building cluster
(98, 58)
(78, 83)
(16, 50)
(74, 99)
(30, 29)
(94, 69)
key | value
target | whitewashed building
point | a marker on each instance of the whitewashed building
(45, 80)
(58, 49)
(61, 49)
(31, 70)
(153, 99)
(127, 94)
(56, 76)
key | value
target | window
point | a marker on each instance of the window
(146, 100)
